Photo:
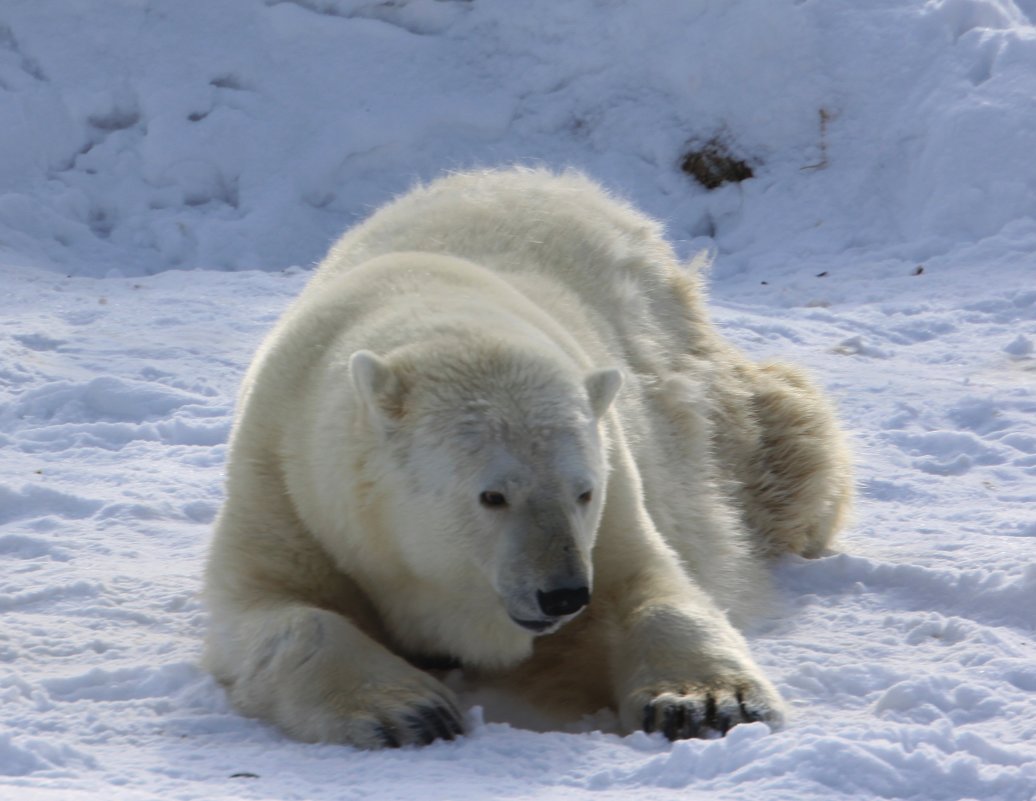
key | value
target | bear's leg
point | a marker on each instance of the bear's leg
(321, 679)
(800, 486)
(682, 669)
(677, 664)
(293, 639)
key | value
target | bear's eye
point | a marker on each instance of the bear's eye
(586, 497)
(492, 499)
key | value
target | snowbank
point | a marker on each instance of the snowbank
(140, 136)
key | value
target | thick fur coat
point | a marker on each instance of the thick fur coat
(498, 428)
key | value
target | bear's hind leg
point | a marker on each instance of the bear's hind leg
(800, 487)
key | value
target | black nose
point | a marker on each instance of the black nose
(563, 602)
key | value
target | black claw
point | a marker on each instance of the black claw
(674, 721)
(453, 716)
(433, 722)
(453, 720)
(711, 719)
(649, 719)
(692, 726)
(430, 723)
(387, 736)
(747, 715)
(440, 718)
(417, 723)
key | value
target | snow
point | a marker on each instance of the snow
(169, 171)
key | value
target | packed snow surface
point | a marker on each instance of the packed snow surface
(170, 171)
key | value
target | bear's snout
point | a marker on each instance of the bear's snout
(567, 601)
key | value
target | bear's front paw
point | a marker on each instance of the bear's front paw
(419, 725)
(405, 720)
(682, 711)
(410, 708)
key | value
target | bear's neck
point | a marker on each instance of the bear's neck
(476, 632)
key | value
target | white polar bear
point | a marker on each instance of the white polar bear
(497, 427)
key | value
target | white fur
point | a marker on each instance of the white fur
(470, 338)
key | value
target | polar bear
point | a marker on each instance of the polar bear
(498, 430)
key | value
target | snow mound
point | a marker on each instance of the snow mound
(139, 136)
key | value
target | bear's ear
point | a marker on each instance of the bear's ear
(602, 386)
(377, 385)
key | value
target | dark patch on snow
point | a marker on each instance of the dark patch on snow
(714, 164)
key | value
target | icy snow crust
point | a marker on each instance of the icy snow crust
(886, 241)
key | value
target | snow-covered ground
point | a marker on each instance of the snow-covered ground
(169, 171)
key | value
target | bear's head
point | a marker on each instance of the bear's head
(489, 466)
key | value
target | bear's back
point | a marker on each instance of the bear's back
(554, 236)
